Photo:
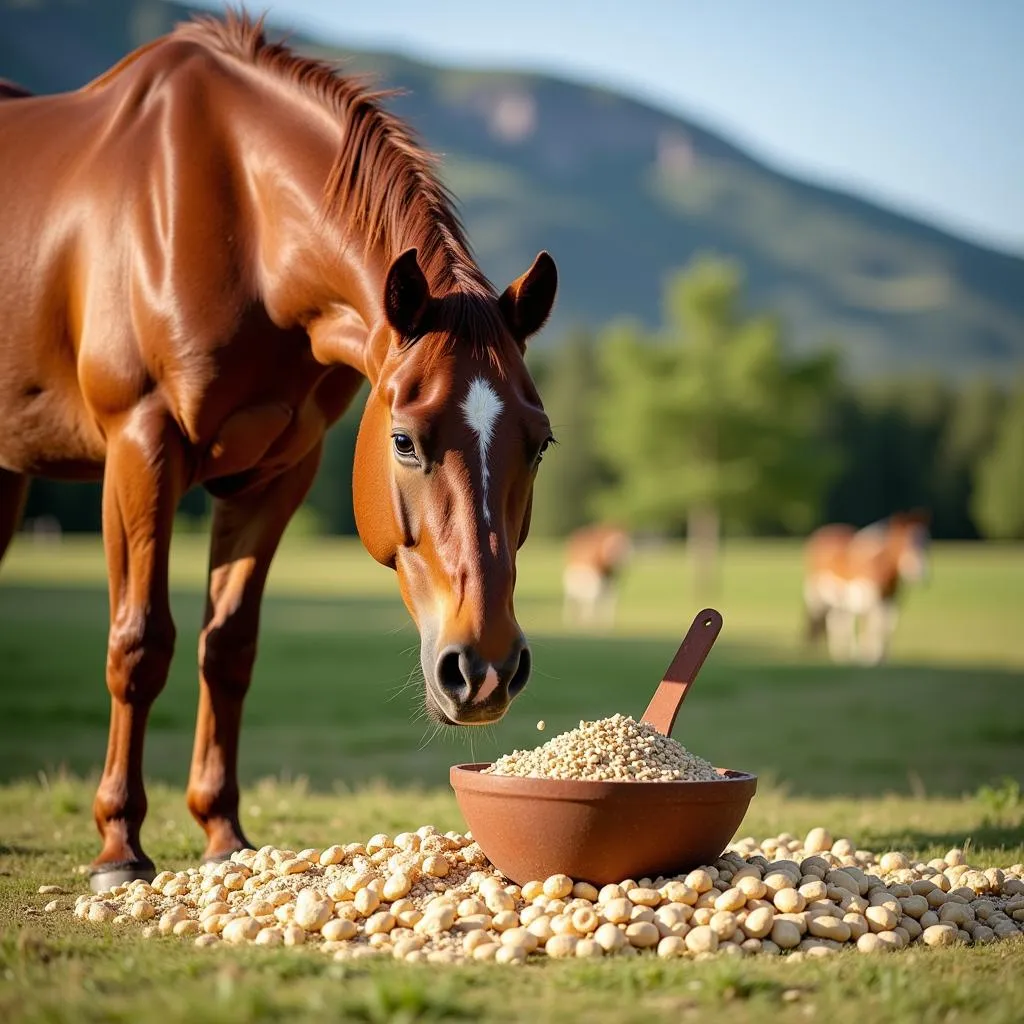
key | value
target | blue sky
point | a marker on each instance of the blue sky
(915, 103)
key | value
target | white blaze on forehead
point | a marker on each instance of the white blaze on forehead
(482, 407)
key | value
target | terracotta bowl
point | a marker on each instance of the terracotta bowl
(600, 832)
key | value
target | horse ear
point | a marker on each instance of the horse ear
(526, 303)
(921, 515)
(406, 296)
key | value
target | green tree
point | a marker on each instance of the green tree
(968, 437)
(710, 422)
(906, 442)
(571, 472)
(998, 503)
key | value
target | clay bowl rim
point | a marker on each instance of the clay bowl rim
(733, 785)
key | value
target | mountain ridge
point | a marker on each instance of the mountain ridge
(622, 191)
(747, 150)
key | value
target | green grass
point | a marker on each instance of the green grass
(55, 969)
(913, 755)
(337, 647)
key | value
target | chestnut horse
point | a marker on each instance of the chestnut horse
(203, 253)
(852, 578)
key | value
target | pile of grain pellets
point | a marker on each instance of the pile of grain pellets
(427, 896)
(616, 749)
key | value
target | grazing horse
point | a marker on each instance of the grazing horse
(852, 578)
(595, 558)
(204, 252)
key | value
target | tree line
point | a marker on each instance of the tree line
(711, 425)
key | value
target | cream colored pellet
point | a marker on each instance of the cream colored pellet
(618, 911)
(561, 946)
(521, 937)
(474, 939)
(940, 935)
(701, 939)
(242, 929)
(339, 930)
(510, 955)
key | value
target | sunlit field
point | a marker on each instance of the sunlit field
(336, 694)
(922, 754)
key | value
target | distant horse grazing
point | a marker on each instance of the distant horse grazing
(852, 578)
(204, 251)
(595, 558)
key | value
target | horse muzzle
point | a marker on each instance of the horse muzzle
(469, 690)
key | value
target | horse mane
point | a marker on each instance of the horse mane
(381, 176)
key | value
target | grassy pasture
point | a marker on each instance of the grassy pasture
(922, 754)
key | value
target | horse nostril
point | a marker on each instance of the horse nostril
(464, 677)
(521, 676)
(450, 676)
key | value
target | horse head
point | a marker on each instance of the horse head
(447, 452)
(910, 531)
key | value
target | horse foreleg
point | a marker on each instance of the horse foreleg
(143, 481)
(840, 633)
(608, 603)
(879, 625)
(13, 488)
(583, 591)
(247, 529)
(815, 612)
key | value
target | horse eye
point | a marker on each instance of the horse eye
(404, 446)
(543, 449)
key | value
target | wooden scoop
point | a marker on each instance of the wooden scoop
(679, 677)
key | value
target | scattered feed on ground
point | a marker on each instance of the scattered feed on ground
(428, 896)
(837, 751)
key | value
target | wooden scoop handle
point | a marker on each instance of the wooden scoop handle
(679, 677)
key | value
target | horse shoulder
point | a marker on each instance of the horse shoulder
(270, 436)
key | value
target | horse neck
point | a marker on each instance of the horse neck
(340, 273)
(895, 543)
(325, 213)
(887, 567)
(283, 147)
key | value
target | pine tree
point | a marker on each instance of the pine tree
(998, 504)
(570, 471)
(711, 422)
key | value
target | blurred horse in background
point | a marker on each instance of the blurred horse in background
(852, 579)
(595, 558)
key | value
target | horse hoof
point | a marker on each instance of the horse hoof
(104, 878)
